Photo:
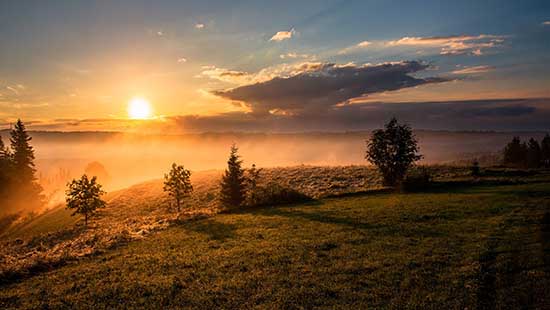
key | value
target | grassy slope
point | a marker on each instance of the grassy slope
(479, 247)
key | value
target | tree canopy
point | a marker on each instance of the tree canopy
(393, 150)
(84, 196)
(177, 184)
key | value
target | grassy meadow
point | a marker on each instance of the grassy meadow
(463, 243)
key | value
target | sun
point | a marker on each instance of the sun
(139, 108)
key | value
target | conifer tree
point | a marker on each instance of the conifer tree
(24, 188)
(23, 153)
(233, 184)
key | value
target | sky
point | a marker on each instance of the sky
(278, 66)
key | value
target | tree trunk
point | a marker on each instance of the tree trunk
(86, 219)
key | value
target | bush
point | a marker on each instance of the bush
(417, 179)
(276, 194)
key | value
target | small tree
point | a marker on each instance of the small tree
(177, 184)
(393, 150)
(545, 151)
(84, 196)
(233, 183)
(252, 179)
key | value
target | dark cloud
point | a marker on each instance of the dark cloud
(322, 87)
(498, 115)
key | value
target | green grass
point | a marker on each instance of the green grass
(49, 221)
(479, 247)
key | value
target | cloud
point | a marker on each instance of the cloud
(160, 33)
(358, 46)
(244, 78)
(546, 23)
(283, 35)
(295, 55)
(182, 60)
(453, 45)
(199, 26)
(473, 70)
(321, 86)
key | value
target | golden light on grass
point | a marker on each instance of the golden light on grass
(139, 108)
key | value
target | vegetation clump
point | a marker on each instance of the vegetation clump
(417, 179)
(177, 184)
(393, 150)
(84, 196)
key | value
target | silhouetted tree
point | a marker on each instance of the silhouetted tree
(25, 190)
(84, 196)
(233, 184)
(545, 151)
(515, 153)
(533, 158)
(177, 184)
(23, 153)
(474, 169)
(393, 150)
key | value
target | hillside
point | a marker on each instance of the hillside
(480, 247)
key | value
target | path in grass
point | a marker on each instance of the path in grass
(424, 250)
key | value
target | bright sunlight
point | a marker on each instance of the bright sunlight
(139, 108)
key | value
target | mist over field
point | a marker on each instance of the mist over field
(131, 158)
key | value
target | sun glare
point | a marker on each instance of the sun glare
(139, 108)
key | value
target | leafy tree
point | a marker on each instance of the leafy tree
(545, 151)
(252, 179)
(233, 184)
(515, 153)
(393, 150)
(177, 184)
(84, 196)
(533, 157)
(23, 153)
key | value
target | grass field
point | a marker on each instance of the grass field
(454, 247)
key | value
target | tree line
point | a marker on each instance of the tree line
(530, 154)
(393, 150)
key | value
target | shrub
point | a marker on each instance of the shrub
(276, 194)
(417, 179)
(474, 169)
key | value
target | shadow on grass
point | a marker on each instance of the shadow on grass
(213, 229)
